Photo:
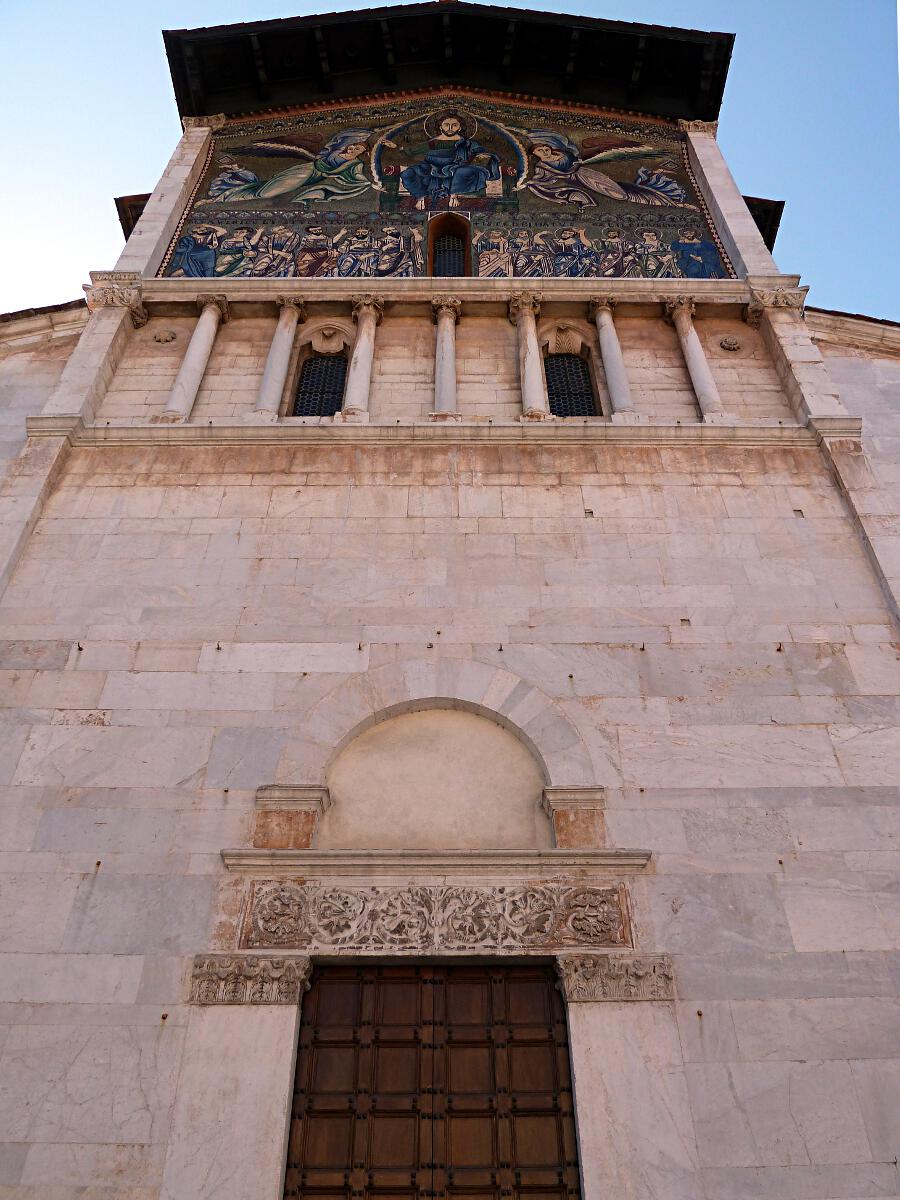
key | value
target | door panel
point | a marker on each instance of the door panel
(443, 1082)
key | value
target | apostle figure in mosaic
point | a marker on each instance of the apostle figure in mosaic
(494, 257)
(399, 253)
(334, 173)
(317, 252)
(563, 176)
(453, 164)
(696, 257)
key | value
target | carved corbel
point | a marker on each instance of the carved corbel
(449, 304)
(707, 128)
(762, 298)
(593, 977)
(212, 121)
(117, 289)
(220, 302)
(248, 979)
(524, 302)
(367, 303)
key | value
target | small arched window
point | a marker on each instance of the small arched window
(569, 389)
(320, 391)
(449, 255)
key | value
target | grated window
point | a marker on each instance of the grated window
(569, 386)
(449, 255)
(320, 391)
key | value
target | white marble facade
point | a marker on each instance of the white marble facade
(322, 647)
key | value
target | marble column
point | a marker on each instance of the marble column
(367, 313)
(680, 312)
(446, 310)
(271, 389)
(523, 312)
(213, 310)
(611, 353)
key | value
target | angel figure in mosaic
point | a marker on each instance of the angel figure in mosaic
(564, 175)
(333, 172)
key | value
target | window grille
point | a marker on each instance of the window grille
(449, 255)
(569, 388)
(320, 391)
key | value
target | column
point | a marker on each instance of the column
(523, 312)
(611, 353)
(446, 310)
(680, 312)
(213, 310)
(367, 313)
(271, 389)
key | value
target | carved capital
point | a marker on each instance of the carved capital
(117, 289)
(212, 121)
(681, 304)
(524, 302)
(293, 302)
(707, 128)
(426, 918)
(220, 303)
(367, 304)
(586, 977)
(761, 298)
(598, 304)
(248, 979)
(446, 304)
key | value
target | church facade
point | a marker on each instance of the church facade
(449, 643)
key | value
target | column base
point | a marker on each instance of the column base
(629, 418)
(718, 418)
(445, 416)
(260, 416)
(537, 414)
(352, 416)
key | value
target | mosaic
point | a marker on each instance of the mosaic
(348, 193)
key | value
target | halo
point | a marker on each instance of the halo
(432, 123)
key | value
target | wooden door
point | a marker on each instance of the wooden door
(433, 1081)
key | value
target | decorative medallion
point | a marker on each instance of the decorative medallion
(421, 918)
(247, 979)
(586, 977)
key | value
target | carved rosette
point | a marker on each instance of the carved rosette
(367, 303)
(762, 298)
(708, 128)
(117, 289)
(219, 301)
(422, 918)
(446, 304)
(586, 977)
(248, 979)
(524, 302)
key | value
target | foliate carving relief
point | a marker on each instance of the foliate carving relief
(709, 128)
(117, 289)
(367, 303)
(616, 977)
(449, 304)
(220, 302)
(681, 304)
(761, 298)
(246, 979)
(415, 919)
(524, 302)
(213, 121)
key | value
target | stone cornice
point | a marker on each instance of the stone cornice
(845, 329)
(312, 797)
(433, 864)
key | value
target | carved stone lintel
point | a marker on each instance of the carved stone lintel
(117, 289)
(219, 301)
(451, 304)
(556, 798)
(678, 305)
(248, 979)
(524, 302)
(368, 303)
(586, 977)
(212, 121)
(709, 128)
(761, 298)
(417, 919)
(293, 302)
(596, 303)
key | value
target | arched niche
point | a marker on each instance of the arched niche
(437, 778)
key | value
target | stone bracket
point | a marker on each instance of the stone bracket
(615, 977)
(117, 289)
(779, 297)
(248, 979)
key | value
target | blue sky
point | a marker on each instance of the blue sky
(810, 116)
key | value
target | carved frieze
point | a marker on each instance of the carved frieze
(420, 918)
(248, 979)
(585, 977)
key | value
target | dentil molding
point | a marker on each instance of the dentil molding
(591, 977)
(248, 979)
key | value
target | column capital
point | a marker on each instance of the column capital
(451, 304)
(593, 977)
(117, 289)
(210, 121)
(680, 304)
(368, 303)
(293, 302)
(220, 303)
(524, 302)
(597, 304)
(706, 128)
(248, 979)
(761, 298)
